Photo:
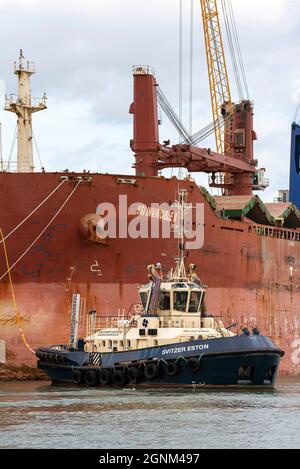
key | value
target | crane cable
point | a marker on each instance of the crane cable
(171, 115)
(235, 50)
(37, 150)
(180, 72)
(238, 48)
(42, 232)
(180, 64)
(191, 67)
(12, 147)
(232, 50)
(18, 317)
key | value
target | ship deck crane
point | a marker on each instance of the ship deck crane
(219, 86)
(233, 124)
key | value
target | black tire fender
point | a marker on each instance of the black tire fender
(133, 374)
(151, 371)
(172, 368)
(91, 377)
(104, 376)
(194, 364)
(77, 376)
(119, 377)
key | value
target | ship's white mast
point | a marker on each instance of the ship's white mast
(24, 105)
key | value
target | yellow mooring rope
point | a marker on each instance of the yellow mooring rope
(19, 320)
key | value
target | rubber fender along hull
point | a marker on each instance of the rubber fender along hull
(225, 365)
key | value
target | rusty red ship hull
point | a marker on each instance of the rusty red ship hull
(246, 266)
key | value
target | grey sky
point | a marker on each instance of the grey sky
(84, 52)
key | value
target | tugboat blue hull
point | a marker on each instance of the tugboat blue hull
(227, 362)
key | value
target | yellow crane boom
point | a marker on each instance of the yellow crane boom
(217, 68)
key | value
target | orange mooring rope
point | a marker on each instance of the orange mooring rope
(19, 320)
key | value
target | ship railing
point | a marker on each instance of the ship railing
(59, 347)
(220, 326)
(119, 322)
(135, 310)
(143, 70)
(278, 233)
(14, 167)
(24, 66)
(262, 185)
(27, 101)
(124, 322)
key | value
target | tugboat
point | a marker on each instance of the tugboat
(168, 341)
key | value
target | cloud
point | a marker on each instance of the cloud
(84, 53)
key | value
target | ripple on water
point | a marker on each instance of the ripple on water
(38, 415)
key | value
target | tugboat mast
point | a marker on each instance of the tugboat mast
(24, 105)
(179, 273)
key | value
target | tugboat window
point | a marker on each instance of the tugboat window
(164, 301)
(180, 301)
(194, 301)
(179, 285)
(144, 298)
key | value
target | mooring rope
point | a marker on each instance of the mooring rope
(18, 317)
(32, 212)
(42, 232)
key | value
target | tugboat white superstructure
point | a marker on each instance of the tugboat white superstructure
(171, 311)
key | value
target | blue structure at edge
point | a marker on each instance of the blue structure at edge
(295, 166)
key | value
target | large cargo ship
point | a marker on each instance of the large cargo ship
(50, 221)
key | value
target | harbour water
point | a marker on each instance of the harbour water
(38, 415)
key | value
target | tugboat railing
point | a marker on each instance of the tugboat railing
(124, 322)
